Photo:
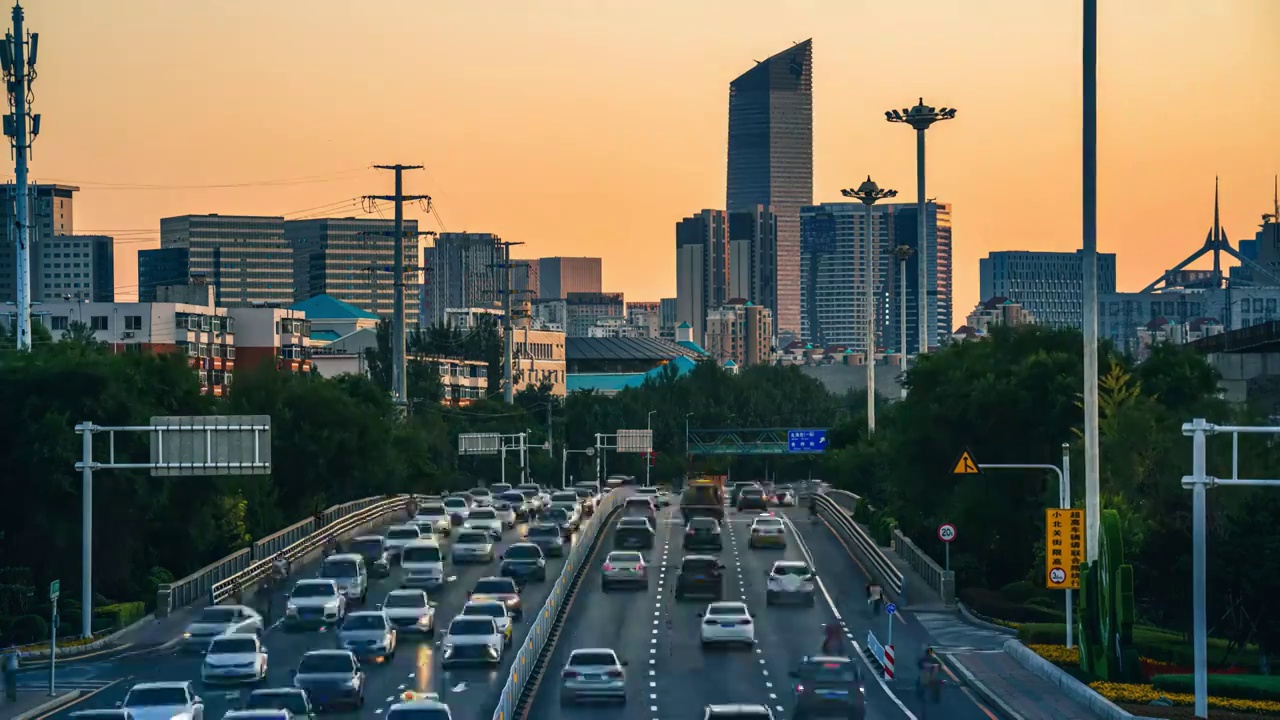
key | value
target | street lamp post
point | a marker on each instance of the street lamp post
(903, 252)
(564, 464)
(920, 118)
(868, 193)
(649, 458)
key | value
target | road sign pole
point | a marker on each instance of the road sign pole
(53, 644)
(1065, 491)
(890, 633)
(948, 547)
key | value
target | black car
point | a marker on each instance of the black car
(735, 491)
(294, 700)
(633, 533)
(829, 687)
(703, 534)
(752, 498)
(700, 576)
(373, 548)
(524, 562)
(558, 517)
(518, 503)
(332, 679)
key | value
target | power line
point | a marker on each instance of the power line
(280, 182)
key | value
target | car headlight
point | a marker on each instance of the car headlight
(448, 650)
(331, 606)
(291, 609)
(186, 635)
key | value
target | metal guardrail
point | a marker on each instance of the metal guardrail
(216, 581)
(941, 581)
(536, 638)
(831, 507)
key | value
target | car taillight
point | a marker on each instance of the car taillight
(569, 674)
(641, 569)
(608, 567)
(709, 621)
(614, 673)
(744, 621)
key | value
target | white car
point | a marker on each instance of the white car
(791, 580)
(571, 504)
(485, 519)
(728, 623)
(163, 701)
(419, 706)
(458, 509)
(437, 515)
(410, 611)
(315, 603)
(506, 513)
(787, 498)
(426, 527)
(234, 658)
(481, 497)
(767, 531)
(218, 620)
(493, 609)
(473, 640)
(423, 565)
(400, 535)
(533, 494)
(473, 546)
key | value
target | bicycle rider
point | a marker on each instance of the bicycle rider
(928, 666)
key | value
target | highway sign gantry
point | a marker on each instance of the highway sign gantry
(946, 532)
(966, 465)
(806, 441)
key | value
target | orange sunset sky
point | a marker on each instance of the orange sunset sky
(589, 127)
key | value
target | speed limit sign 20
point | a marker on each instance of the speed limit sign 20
(946, 532)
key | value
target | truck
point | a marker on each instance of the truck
(703, 497)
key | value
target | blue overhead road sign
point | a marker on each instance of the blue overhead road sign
(806, 441)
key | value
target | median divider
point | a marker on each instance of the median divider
(882, 567)
(528, 661)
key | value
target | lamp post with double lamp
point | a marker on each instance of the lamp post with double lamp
(648, 460)
(869, 193)
(920, 118)
(903, 253)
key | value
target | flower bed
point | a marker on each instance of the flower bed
(62, 643)
(1133, 694)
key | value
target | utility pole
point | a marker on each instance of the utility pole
(1089, 244)
(504, 264)
(398, 369)
(19, 67)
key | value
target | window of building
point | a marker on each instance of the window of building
(132, 322)
(59, 322)
(98, 322)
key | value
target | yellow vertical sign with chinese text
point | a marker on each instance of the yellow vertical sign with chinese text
(1063, 548)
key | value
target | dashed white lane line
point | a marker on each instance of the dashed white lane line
(742, 590)
(657, 621)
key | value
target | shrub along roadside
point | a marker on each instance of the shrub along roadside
(1243, 687)
(1130, 694)
(1152, 643)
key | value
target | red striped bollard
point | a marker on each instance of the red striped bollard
(888, 662)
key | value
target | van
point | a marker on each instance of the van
(423, 565)
(349, 572)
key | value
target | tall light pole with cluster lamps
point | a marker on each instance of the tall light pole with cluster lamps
(920, 118)
(903, 253)
(869, 193)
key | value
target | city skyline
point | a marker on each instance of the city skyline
(650, 151)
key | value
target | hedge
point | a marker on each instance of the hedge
(122, 615)
(1152, 643)
(994, 605)
(1242, 687)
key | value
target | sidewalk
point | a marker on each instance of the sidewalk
(35, 703)
(1018, 693)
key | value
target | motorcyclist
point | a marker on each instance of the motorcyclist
(928, 667)
(833, 639)
(411, 508)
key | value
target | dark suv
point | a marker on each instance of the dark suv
(752, 498)
(829, 687)
(703, 534)
(633, 533)
(700, 576)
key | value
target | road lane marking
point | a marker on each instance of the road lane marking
(79, 700)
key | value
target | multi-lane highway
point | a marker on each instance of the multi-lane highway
(472, 693)
(670, 675)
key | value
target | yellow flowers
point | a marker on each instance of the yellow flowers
(1057, 654)
(62, 643)
(1144, 694)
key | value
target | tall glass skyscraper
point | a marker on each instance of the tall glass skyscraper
(771, 160)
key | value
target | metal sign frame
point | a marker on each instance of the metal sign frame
(745, 441)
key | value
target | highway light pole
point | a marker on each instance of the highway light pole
(648, 423)
(920, 118)
(903, 252)
(868, 193)
(1089, 206)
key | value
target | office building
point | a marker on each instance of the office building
(525, 279)
(702, 268)
(353, 260)
(559, 276)
(462, 271)
(667, 319)
(74, 267)
(753, 238)
(771, 160)
(836, 269)
(938, 274)
(245, 258)
(539, 358)
(742, 332)
(582, 309)
(1050, 285)
(49, 212)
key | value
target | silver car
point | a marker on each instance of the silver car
(593, 674)
(473, 640)
(410, 611)
(548, 537)
(791, 580)
(314, 603)
(163, 701)
(368, 635)
(218, 620)
(624, 568)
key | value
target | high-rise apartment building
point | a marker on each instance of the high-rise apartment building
(771, 160)
(74, 267)
(461, 271)
(939, 301)
(836, 263)
(583, 309)
(667, 317)
(702, 268)
(753, 240)
(742, 332)
(1050, 285)
(353, 260)
(246, 258)
(49, 210)
(559, 276)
